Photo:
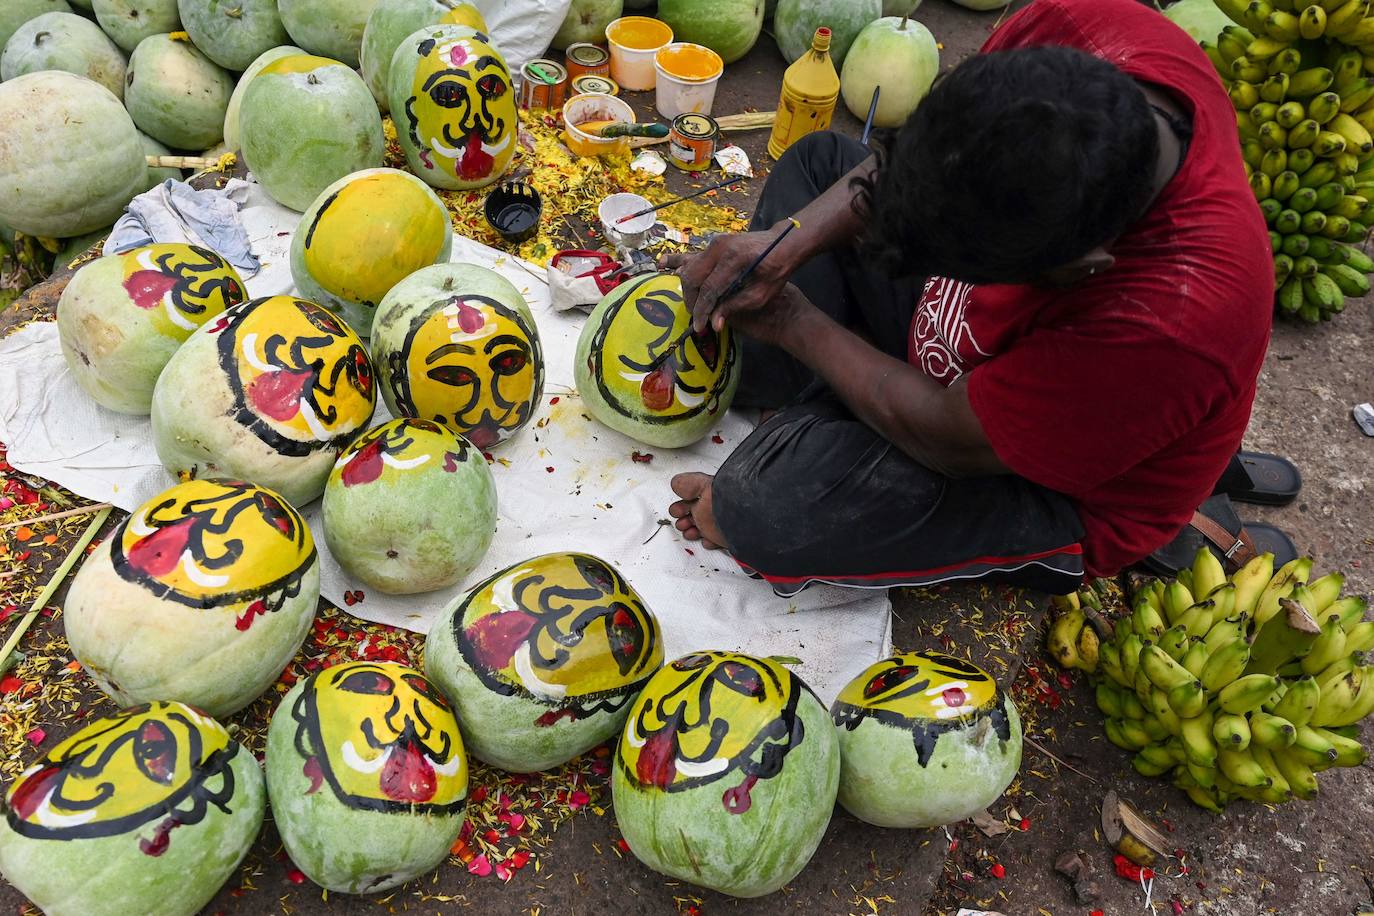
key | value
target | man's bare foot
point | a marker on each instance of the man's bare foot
(693, 512)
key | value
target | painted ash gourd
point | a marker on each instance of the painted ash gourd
(329, 28)
(395, 20)
(453, 103)
(457, 344)
(364, 234)
(270, 391)
(306, 122)
(543, 659)
(232, 137)
(149, 810)
(72, 154)
(176, 94)
(202, 596)
(14, 13)
(367, 776)
(926, 739)
(122, 317)
(128, 22)
(678, 402)
(726, 773)
(409, 507)
(898, 54)
(64, 41)
(233, 33)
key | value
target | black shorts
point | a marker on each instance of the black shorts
(815, 495)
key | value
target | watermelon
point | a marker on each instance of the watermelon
(128, 22)
(796, 21)
(202, 595)
(668, 406)
(270, 391)
(543, 659)
(367, 776)
(897, 53)
(176, 94)
(71, 155)
(927, 739)
(728, 27)
(726, 773)
(1203, 20)
(586, 20)
(122, 317)
(395, 20)
(329, 28)
(158, 175)
(305, 123)
(409, 507)
(485, 390)
(453, 102)
(64, 41)
(14, 13)
(231, 113)
(148, 810)
(364, 234)
(232, 33)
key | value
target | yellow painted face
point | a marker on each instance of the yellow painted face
(564, 629)
(926, 693)
(393, 449)
(300, 377)
(383, 737)
(159, 762)
(373, 233)
(471, 363)
(709, 716)
(636, 329)
(461, 112)
(180, 286)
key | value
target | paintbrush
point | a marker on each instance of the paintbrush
(872, 110)
(633, 129)
(730, 290)
(678, 200)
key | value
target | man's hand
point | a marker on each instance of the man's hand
(708, 274)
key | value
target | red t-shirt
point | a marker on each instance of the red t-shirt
(1129, 392)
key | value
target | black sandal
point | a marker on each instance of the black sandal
(1260, 478)
(1234, 542)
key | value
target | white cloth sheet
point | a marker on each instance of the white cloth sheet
(566, 485)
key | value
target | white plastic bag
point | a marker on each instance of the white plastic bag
(522, 29)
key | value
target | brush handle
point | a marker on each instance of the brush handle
(677, 200)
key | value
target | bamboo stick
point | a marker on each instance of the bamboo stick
(80, 510)
(181, 162)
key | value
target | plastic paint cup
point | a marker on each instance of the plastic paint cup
(595, 106)
(633, 41)
(687, 78)
(631, 232)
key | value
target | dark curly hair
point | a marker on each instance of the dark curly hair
(1016, 163)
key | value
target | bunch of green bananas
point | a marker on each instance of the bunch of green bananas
(1301, 77)
(1240, 687)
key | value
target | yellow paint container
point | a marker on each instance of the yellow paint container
(633, 41)
(687, 75)
(590, 108)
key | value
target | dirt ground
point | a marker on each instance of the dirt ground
(1312, 858)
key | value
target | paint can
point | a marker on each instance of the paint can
(603, 85)
(543, 85)
(692, 141)
(585, 58)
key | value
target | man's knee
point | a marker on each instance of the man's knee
(805, 171)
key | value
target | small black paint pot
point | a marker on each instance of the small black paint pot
(513, 210)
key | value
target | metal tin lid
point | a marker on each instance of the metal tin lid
(593, 83)
(696, 126)
(587, 55)
(552, 68)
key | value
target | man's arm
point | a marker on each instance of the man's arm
(932, 424)
(828, 222)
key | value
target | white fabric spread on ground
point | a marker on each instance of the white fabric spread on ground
(569, 485)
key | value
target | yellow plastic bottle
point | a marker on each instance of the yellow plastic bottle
(809, 90)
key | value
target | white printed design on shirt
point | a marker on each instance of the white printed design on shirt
(941, 331)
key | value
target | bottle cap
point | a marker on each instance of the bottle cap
(821, 41)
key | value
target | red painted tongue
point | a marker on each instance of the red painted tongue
(496, 637)
(278, 394)
(147, 287)
(365, 467)
(158, 553)
(656, 390)
(408, 776)
(656, 765)
(32, 791)
(476, 162)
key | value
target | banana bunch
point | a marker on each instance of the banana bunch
(1239, 687)
(1072, 640)
(1301, 78)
